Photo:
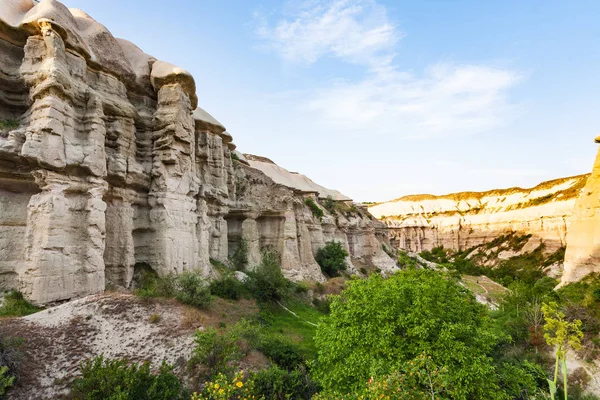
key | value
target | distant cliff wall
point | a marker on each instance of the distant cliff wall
(463, 220)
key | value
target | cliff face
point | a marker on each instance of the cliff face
(583, 251)
(462, 220)
(106, 162)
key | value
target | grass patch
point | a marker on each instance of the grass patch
(276, 320)
(15, 305)
(314, 208)
(484, 286)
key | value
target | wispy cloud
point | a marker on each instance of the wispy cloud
(445, 99)
(357, 31)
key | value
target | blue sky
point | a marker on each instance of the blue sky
(379, 99)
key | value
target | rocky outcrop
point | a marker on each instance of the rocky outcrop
(107, 163)
(583, 251)
(463, 220)
(292, 179)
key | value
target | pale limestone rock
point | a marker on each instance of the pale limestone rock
(583, 250)
(111, 165)
(463, 220)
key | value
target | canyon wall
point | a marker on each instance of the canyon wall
(106, 162)
(462, 220)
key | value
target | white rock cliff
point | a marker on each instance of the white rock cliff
(106, 162)
(462, 220)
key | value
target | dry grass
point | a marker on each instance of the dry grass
(485, 287)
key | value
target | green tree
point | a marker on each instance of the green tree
(378, 325)
(267, 283)
(563, 335)
(332, 258)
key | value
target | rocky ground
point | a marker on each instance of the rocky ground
(58, 339)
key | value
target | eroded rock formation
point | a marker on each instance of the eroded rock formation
(462, 220)
(583, 251)
(106, 162)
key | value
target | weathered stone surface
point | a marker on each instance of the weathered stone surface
(106, 163)
(583, 251)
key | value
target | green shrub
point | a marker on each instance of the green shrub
(329, 204)
(281, 350)
(214, 350)
(10, 355)
(379, 325)
(193, 290)
(6, 381)
(117, 380)
(223, 387)
(239, 259)
(332, 258)
(323, 306)
(279, 384)
(188, 287)
(267, 282)
(314, 208)
(15, 305)
(438, 255)
(227, 288)
(406, 261)
(9, 124)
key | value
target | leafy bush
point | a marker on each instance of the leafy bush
(193, 290)
(227, 288)
(187, 287)
(214, 351)
(15, 305)
(314, 208)
(267, 282)
(281, 350)
(332, 258)
(9, 124)
(419, 379)
(438, 255)
(223, 388)
(279, 384)
(10, 354)
(406, 261)
(329, 204)
(379, 325)
(239, 259)
(323, 306)
(117, 380)
(6, 381)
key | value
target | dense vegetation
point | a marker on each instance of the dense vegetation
(418, 334)
(414, 317)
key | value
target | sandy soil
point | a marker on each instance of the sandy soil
(58, 339)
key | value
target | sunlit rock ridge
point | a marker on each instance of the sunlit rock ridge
(462, 220)
(106, 162)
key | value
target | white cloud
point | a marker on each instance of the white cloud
(445, 99)
(356, 31)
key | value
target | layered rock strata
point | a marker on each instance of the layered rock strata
(463, 220)
(107, 163)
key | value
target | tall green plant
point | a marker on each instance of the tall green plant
(564, 335)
